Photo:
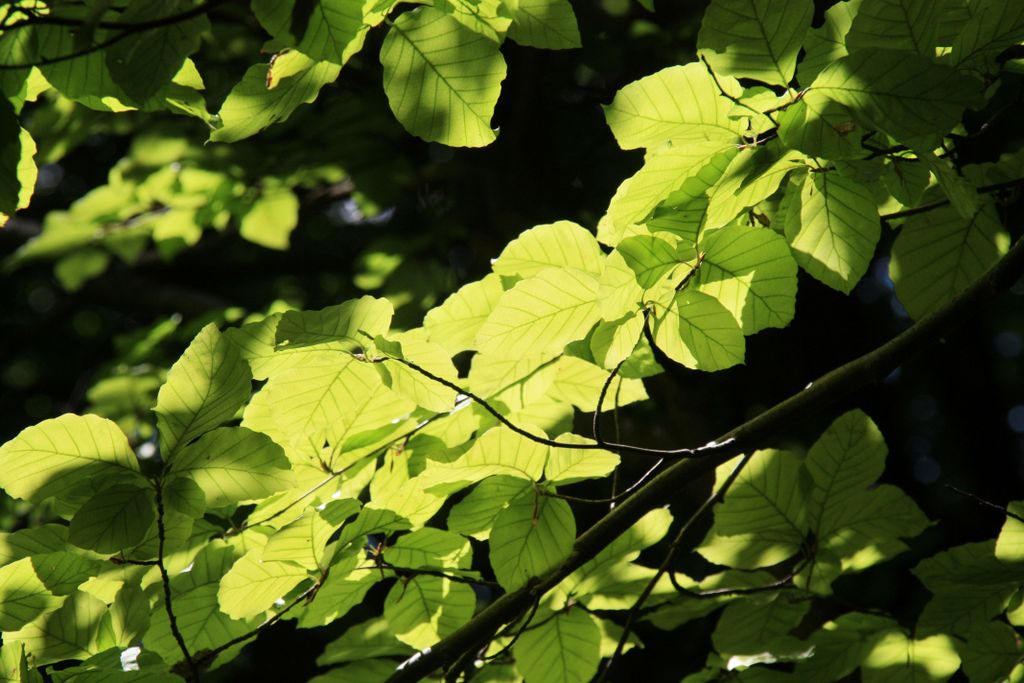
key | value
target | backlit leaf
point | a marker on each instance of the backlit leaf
(549, 24)
(939, 253)
(542, 313)
(60, 455)
(561, 244)
(676, 102)
(114, 519)
(835, 238)
(328, 30)
(532, 535)
(425, 609)
(756, 39)
(699, 332)
(204, 389)
(252, 586)
(234, 464)
(563, 648)
(442, 79)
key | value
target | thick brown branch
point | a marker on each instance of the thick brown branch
(867, 369)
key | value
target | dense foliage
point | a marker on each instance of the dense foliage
(470, 484)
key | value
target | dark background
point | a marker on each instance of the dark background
(953, 416)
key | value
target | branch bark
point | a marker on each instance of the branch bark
(869, 368)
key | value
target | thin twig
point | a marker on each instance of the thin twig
(735, 100)
(596, 426)
(670, 556)
(614, 498)
(601, 445)
(995, 187)
(985, 503)
(165, 579)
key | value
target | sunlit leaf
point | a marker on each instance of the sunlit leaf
(677, 102)
(562, 648)
(938, 254)
(756, 39)
(699, 332)
(442, 79)
(835, 238)
(532, 535)
(204, 389)
(547, 24)
(59, 456)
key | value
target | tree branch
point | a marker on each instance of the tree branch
(161, 533)
(842, 381)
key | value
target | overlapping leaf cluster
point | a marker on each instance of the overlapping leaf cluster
(308, 456)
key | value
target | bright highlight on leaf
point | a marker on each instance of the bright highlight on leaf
(442, 79)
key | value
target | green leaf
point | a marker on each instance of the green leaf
(820, 127)
(411, 383)
(345, 587)
(838, 230)
(993, 26)
(455, 323)
(373, 638)
(688, 164)
(911, 25)
(752, 176)
(199, 619)
(17, 167)
(204, 389)
(579, 383)
(826, 43)
(426, 609)
(549, 24)
(560, 648)
(271, 218)
(486, 17)
(650, 257)
(326, 30)
(498, 451)
(699, 332)
(756, 39)
(749, 627)
(895, 657)
(252, 106)
(114, 519)
(614, 341)
(542, 313)
(750, 271)
(430, 548)
(252, 586)
(841, 645)
(184, 495)
(25, 596)
(570, 465)
(129, 616)
(676, 102)
(301, 541)
(961, 193)
(234, 464)
(969, 586)
(1010, 543)
(474, 515)
(563, 244)
(442, 79)
(762, 520)
(65, 457)
(67, 633)
(347, 327)
(843, 463)
(937, 254)
(145, 61)
(45, 538)
(991, 652)
(531, 536)
(904, 95)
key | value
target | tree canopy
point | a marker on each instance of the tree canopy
(505, 340)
